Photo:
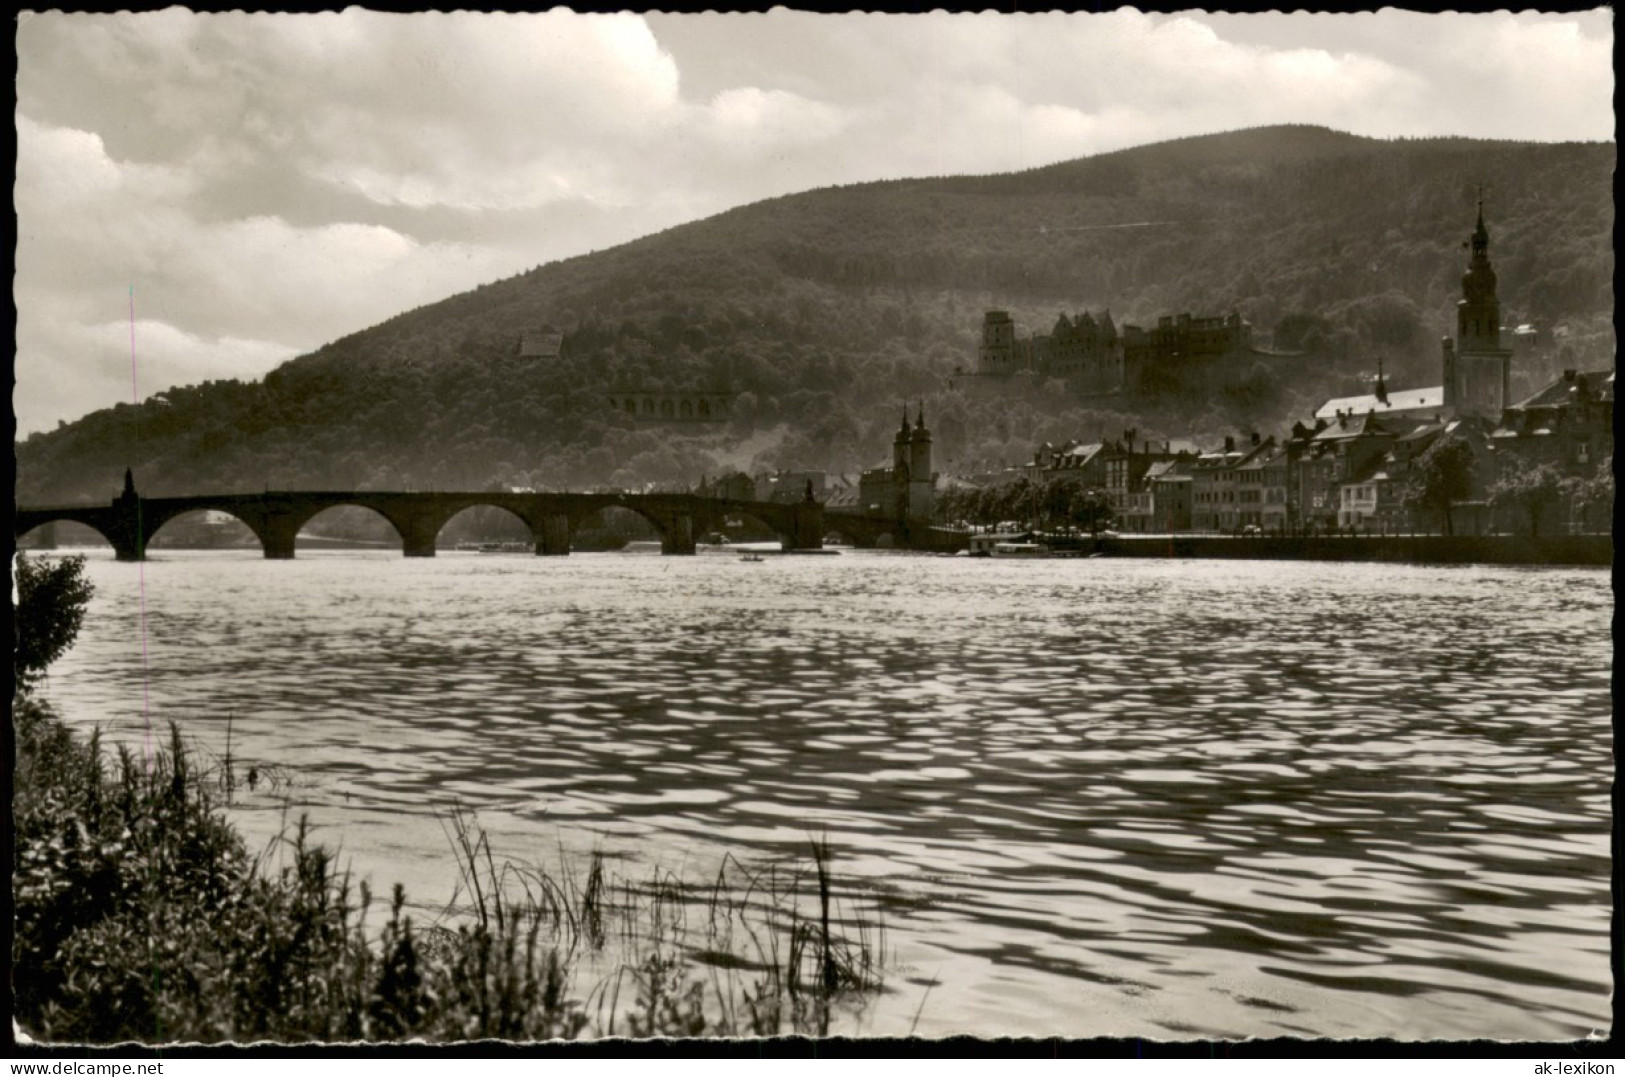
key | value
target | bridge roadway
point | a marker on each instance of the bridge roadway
(276, 517)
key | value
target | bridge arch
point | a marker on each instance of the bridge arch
(50, 531)
(353, 527)
(487, 521)
(228, 533)
(835, 534)
(583, 516)
(716, 519)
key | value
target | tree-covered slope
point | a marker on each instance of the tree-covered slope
(825, 309)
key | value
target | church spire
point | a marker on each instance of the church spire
(1481, 235)
(1478, 283)
(1477, 370)
(1382, 386)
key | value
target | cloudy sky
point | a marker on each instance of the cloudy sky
(214, 194)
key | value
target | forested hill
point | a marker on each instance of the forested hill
(826, 309)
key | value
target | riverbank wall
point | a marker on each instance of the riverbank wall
(1412, 549)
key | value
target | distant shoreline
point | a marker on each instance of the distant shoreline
(1552, 551)
(1580, 550)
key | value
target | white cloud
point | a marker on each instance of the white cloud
(139, 359)
(750, 120)
(221, 296)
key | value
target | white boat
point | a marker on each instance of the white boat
(1020, 549)
(983, 545)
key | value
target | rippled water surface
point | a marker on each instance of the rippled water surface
(1110, 797)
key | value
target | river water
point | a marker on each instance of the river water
(1165, 799)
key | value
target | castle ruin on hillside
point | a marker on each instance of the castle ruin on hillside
(1093, 357)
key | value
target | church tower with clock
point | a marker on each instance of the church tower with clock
(1477, 369)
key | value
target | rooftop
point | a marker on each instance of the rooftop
(1563, 391)
(1401, 401)
(1364, 424)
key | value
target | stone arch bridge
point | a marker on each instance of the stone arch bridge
(276, 516)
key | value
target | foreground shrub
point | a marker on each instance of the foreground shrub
(141, 916)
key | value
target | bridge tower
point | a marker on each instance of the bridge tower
(921, 479)
(126, 530)
(900, 443)
(806, 523)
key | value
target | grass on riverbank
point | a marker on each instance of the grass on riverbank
(140, 915)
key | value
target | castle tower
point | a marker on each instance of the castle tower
(1477, 371)
(921, 480)
(997, 354)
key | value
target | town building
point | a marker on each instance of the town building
(788, 487)
(1358, 496)
(1083, 462)
(1393, 475)
(736, 486)
(1568, 424)
(1163, 501)
(1568, 427)
(841, 492)
(1213, 488)
(1126, 463)
(1253, 489)
(1337, 455)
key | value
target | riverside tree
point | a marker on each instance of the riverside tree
(1060, 501)
(1530, 488)
(51, 601)
(1594, 497)
(1443, 476)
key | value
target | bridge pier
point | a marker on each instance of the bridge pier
(418, 535)
(807, 527)
(555, 537)
(277, 537)
(679, 535)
